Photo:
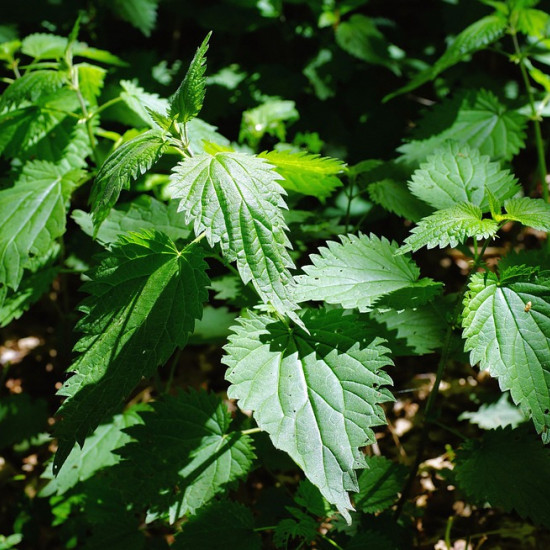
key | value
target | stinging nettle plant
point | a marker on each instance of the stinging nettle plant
(311, 355)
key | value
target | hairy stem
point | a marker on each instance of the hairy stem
(534, 116)
(427, 418)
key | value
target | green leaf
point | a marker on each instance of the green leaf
(396, 197)
(307, 174)
(509, 469)
(21, 418)
(227, 522)
(507, 331)
(302, 527)
(237, 201)
(476, 119)
(359, 271)
(145, 296)
(456, 173)
(95, 454)
(450, 227)
(268, 118)
(310, 498)
(33, 217)
(200, 133)
(360, 37)
(143, 213)
(142, 103)
(187, 102)
(185, 441)
(421, 328)
(214, 327)
(31, 289)
(142, 14)
(317, 395)
(44, 46)
(31, 87)
(125, 164)
(90, 80)
(531, 212)
(379, 484)
(491, 416)
(477, 36)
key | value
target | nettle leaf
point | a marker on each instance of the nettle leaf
(145, 296)
(476, 119)
(125, 164)
(360, 37)
(507, 331)
(31, 289)
(142, 14)
(187, 102)
(142, 103)
(44, 45)
(495, 415)
(33, 214)
(494, 470)
(477, 36)
(531, 212)
(305, 173)
(30, 87)
(269, 118)
(395, 197)
(226, 522)
(456, 173)
(21, 418)
(90, 80)
(200, 133)
(237, 201)
(185, 441)
(379, 484)
(143, 213)
(95, 454)
(359, 271)
(317, 395)
(421, 328)
(301, 526)
(450, 227)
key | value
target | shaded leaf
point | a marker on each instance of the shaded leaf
(234, 525)
(379, 484)
(184, 442)
(507, 468)
(145, 296)
(142, 14)
(491, 416)
(30, 87)
(143, 213)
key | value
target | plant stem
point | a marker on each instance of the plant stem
(330, 541)
(427, 416)
(535, 117)
(106, 105)
(173, 366)
(251, 431)
(87, 118)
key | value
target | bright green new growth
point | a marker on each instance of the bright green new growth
(33, 214)
(507, 330)
(125, 164)
(236, 200)
(305, 173)
(450, 227)
(359, 272)
(456, 173)
(317, 395)
(531, 212)
(145, 296)
(189, 97)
